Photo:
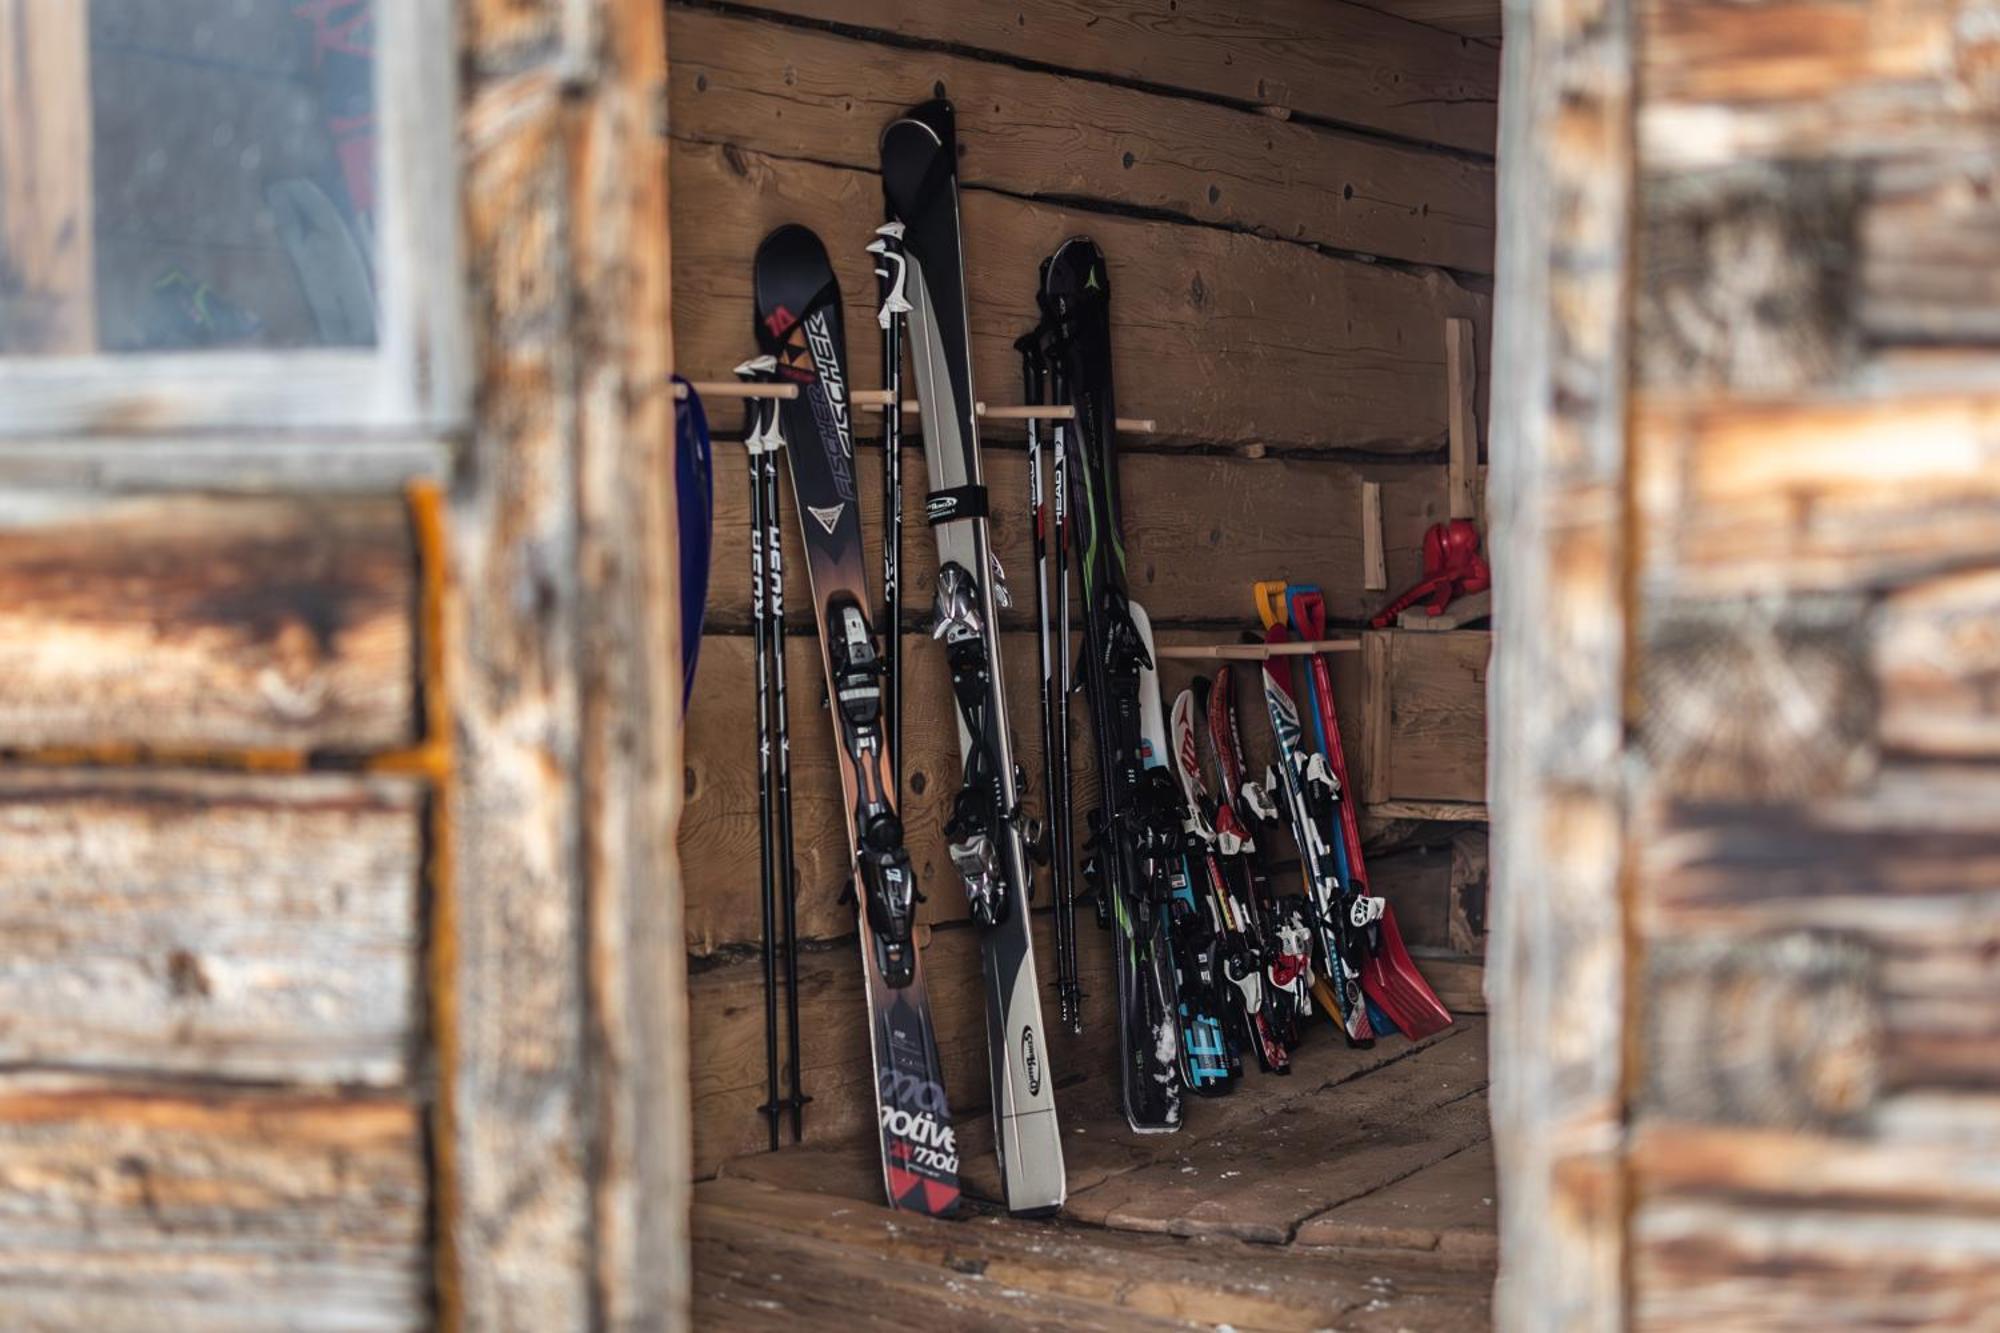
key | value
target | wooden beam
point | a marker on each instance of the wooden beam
(47, 212)
(153, 623)
(1374, 566)
(1217, 335)
(792, 92)
(233, 1211)
(1461, 384)
(259, 928)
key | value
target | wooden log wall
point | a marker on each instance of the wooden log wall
(1293, 198)
(343, 985)
(1758, 508)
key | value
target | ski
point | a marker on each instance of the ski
(1193, 922)
(799, 322)
(1246, 821)
(1240, 946)
(920, 190)
(1132, 843)
(1338, 914)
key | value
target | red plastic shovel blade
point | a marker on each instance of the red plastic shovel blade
(1393, 982)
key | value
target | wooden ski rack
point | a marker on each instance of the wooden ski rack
(878, 400)
(1254, 652)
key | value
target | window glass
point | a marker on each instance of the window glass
(204, 178)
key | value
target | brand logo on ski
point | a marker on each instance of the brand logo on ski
(828, 518)
(1031, 1062)
(1090, 283)
(779, 320)
(830, 406)
(897, 1088)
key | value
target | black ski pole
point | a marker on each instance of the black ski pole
(753, 447)
(1066, 961)
(774, 564)
(888, 249)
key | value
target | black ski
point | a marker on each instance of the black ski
(1136, 839)
(920, 189)
(799, 322)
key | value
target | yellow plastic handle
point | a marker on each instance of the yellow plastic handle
(1271, 611)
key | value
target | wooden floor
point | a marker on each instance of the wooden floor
(1355, 1194)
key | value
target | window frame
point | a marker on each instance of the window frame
(414, 380)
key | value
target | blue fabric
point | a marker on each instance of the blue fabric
(694, 492)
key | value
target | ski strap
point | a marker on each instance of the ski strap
(954, 503)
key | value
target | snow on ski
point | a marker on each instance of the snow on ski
(799, 322)
(920, 189)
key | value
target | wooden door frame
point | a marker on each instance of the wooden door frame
(1557, 958)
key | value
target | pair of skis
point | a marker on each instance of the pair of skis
(1374, 984)
(799, 324)
(1137, 863)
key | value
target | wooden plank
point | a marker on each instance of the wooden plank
(1436, 725)
(727, 1034)
(1260, 1184)
(1010, 1267)
(1374, 565)
(1468, 18)
(1223, 337)
(1444, 1209)
(1713, 1263)
(1461, 384)
(1417, 883)
(1335, 62)
(519, 1148)
(630, 640)
(136, 1210)
(1375, 739)
(1927, 270)
(47, 228)
(198, 623)
(1807, 80)
(1557, 512)
(237, 927)
(1935, 658)
(1913, 890)
(1460, 614)
(794, 92)
(1258, 518)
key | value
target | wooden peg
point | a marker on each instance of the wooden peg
(1461, 380)
(1374, 566)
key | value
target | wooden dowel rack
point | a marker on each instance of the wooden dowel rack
(1254, 652)
(878, 400)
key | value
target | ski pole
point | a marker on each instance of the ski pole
(1033, 378)
(753, 443)
(774, 565)
(1069, 984)
(888, 249)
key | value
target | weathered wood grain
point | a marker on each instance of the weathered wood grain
(1470, 872)
(251, 928)
(1221, 337)
(1557, 513)
(1806, 81)
(1308, 1157)
(1927, 241)
(1436, 688)
(1468, 18)
(47, 226)
(189, 622)
(1830, 492)
(1116, 1278)
(1445, 1209)
(1914, 885)
(1750, 699)
(520, 1210)
(1334, 62)
(796, 93)
(1936, 662)
(1198, 532)
(727, 1034)
(629, 638)
(1714, 1263)
(133, 1210)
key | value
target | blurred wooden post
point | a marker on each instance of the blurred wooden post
(49, 305)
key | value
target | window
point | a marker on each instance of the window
(226, 214)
